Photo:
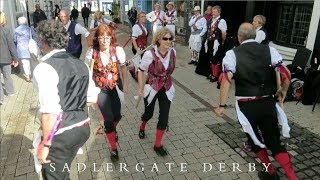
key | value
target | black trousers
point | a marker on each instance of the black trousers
(262, 116)
(62, 152)
(110, 107)
(164, 108)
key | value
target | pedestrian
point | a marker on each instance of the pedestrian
(198, 26)
(258, 23)
(252, 65)
(21, 36)
(159, 63)
(108, 62)
(64, 87)
(171, 18)
(8, 57)
(57, 11)
(74, 14)
(139, 41)
(132, 15)
(75, 30)
(38, 15)
(85, 12)
(156, 17)
(99, 19)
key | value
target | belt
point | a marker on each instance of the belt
(250, 99)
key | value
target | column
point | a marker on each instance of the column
(313, 25)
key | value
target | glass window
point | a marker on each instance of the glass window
(293, 24)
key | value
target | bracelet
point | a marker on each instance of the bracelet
(224, 105)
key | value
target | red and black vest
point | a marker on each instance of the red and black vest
(106, 77)
(142, 39)
(158, 76)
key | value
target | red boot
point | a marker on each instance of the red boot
(264, 158)
(283, 159)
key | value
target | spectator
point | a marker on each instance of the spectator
(56, 11)
(208, 14)
(74, 14)
(21, 38)
(75, 31)
(85, 12)
(132, 15)
(38, 16)
(156, 17)
(8, 57)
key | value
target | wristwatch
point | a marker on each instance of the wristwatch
(47, 145)
(222, 105)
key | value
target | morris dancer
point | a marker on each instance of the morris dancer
(258, 23)
(252, 65)
(64, 87)
(156, 17)
(108, 59)
(139, 41)
(198, 26)
(159, 62)
(171, 17)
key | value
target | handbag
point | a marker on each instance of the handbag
(33, 48)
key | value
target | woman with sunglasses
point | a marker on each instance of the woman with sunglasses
(159, 64)
(108, 60)
(139, 40)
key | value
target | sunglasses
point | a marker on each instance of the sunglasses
(166, 39)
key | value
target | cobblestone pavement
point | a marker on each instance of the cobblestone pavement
(196, 136)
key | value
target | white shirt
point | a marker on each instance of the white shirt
(229, 61)
(121, 55)
(78, 29)
(107, 21)
(144, 65)
(137, 31)
(173, 18)
(222, 24)
(46, 79)
(151, 16)
(148, 58)
(260, 35)
(200, 24)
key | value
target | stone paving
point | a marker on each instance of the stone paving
(196, 136)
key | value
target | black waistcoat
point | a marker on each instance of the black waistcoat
(72, 87)
(254, 74)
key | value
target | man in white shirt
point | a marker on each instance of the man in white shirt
(156, 17)
(64, 87)
(253, 67)
(198, 26)
(75, 30)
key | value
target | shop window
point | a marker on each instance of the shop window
(293, 24)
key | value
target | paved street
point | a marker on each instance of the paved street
(196, 136)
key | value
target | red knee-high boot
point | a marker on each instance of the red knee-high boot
(159, 136)
(283, 159)
(157, 146)
(112, 140)
(264, 158)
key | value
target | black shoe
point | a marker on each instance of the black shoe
(192, 62)
(141, 134)
(266, 176)
(196, 63)
(218, 85)
(213, 79)
(209, 77)
(160, 151)
(114, 155)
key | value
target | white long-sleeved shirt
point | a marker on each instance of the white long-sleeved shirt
(152, 16)
(200, 24)
(260, 35)
(171, 17)
(78, 29)
(105, 20)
